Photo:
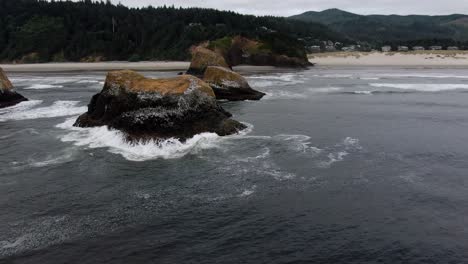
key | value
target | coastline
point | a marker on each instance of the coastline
(455, 59)
(405, 59)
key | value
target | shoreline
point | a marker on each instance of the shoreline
(401, 59)
(419, 59)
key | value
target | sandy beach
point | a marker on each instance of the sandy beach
(98, 66)
(408, 59)
(419, 58)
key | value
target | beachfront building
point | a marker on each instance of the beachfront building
(330, 48)
(313, 49)
(416, 48)
(453, 48)
(435, 47)
(349, 48)
(403, 48)
(386, 48)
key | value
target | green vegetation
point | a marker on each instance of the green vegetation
(39, 30)
(394, 30)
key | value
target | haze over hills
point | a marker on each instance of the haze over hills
(391, 28)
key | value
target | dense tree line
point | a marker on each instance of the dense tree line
(39, 30)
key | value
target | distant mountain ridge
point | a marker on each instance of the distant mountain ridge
(382, 28)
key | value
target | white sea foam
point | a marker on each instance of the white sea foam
(363, 92)
(20, 107)
(275, 80)
(88, 81)
(424, 87)
(248, 192)
(325, 89)
(57, 109)
(425, 76)
(43, 86)
(369, 78)
(115, 142)
(282, 94)
(333, 158)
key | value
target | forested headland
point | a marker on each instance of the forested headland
(42, 31)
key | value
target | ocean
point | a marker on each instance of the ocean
(338, 165)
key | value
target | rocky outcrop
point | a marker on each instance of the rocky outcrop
(143, 108)
(203, 58)
(8, 97)
(240, 50)
(244, 51)
(230, 85)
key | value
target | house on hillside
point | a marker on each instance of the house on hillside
(403, 48)
(453, 48)
(386, 48)
(435, 47)
(418, 48)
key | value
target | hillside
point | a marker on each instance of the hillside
(38, 30)
(391, 28)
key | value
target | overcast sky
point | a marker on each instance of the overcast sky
(292, 7)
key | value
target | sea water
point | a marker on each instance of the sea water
(338, 165)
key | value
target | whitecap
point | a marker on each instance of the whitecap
(248, 192)
(282, 94)
(15, 244)
(59, 108)
(43, 86)
(424, 87)
(333, 158)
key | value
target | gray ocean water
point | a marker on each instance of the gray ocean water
(339, 165)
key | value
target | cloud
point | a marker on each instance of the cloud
(291, 7)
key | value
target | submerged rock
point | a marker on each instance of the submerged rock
(202, 58)
(230, 85)
(8, 97)
(143, 108)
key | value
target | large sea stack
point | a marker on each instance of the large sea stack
(230, 85)
(144, 108)
(8, 97)
(202, 58)
(271, 51)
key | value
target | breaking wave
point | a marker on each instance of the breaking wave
(43, 86)
(115, 141)
(26, 110)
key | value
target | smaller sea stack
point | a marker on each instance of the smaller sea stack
(8, 97)
(230, 85)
